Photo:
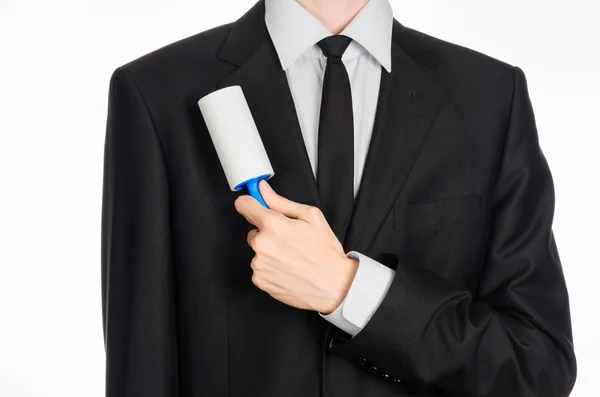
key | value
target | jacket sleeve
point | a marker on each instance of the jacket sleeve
(513, 337)
(136, 260)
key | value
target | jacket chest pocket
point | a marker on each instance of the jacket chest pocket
(446, 236)
(439, 212)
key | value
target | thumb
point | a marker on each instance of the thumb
(279, 203)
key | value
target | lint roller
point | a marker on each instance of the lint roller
(236, 139)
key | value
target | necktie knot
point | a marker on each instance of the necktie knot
(334, 46)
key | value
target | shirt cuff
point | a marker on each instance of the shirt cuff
(369, 287)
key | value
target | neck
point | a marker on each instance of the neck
(334, 14)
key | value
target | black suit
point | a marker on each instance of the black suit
(456, 196)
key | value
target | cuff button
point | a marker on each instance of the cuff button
(363, 362)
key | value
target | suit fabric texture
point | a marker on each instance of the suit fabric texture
(456, 196)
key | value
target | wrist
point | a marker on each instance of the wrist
(344, 276)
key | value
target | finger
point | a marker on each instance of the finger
(251, 234)
(283, 205)
(252, 210)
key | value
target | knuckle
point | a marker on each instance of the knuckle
(258, 242)
(255, 264)
(314, 212)
(239, 203)
(270, 221)
(249, 236)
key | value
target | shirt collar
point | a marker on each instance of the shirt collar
(294, 31)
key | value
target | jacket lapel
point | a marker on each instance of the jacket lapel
(409, 97)
(269, 98)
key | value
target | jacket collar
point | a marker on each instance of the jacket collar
(295, 31)
(249, 32)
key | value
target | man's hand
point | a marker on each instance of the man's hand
(299, 260)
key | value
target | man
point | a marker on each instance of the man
(439, 276)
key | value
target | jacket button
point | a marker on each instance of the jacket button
(331, 343)
(363, 362)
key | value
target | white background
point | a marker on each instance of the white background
(56, 58)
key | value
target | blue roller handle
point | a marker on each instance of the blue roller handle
(252, 185)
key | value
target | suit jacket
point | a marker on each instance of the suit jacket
(456, 196)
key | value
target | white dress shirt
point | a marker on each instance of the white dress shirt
(295, 32)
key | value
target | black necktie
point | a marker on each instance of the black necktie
(335, 163)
